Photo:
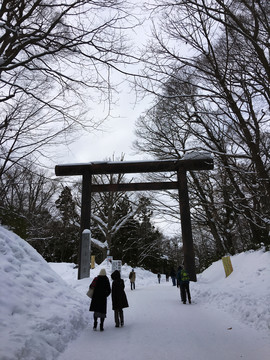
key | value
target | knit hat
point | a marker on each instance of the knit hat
(102, 272)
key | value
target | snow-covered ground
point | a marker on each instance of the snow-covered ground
(44, 312)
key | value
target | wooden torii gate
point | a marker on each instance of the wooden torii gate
(197, 162)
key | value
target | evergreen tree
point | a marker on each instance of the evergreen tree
(67, 231)
(149, 239)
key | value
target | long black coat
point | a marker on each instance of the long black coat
(119, 298)
(101, 292)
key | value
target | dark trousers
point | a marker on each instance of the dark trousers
(101, 323)
(184, 291)
(119, 317)
(132, 285)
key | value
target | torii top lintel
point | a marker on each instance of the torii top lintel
(197, 162)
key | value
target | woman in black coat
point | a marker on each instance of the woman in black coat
(119, 298)
(102, 290)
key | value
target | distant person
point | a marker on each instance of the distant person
(158, 276)
(132, 278)
(167, 277)
(173, 276)
(119, 298)
(102, 290)
(183, 281)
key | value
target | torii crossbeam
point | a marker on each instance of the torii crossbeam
(192, 163)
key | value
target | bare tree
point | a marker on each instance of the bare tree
(105, 210)
(56, 59)
(26, 199)
(229, 69)
(213, 58)
(105, 215)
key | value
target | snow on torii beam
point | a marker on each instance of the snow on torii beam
(192, 162)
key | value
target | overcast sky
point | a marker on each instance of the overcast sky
(118, 130)
(116, 137)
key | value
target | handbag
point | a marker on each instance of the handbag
(90, 292)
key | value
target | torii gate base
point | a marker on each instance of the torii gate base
(194, 162)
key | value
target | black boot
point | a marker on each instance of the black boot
(101, 324)
(95, 323)
(116, 318)
(121, 317)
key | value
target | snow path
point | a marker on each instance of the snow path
(196, 332)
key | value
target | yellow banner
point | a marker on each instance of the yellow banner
(227, 265)
(92, 261)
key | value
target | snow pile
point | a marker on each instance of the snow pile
(43, 306)
(69, 273)
(245, 293)
(39, 312)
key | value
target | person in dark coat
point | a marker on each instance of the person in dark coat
(102, 290)
(173, 276)
(183, 282)
(119, 298)
(132, 278)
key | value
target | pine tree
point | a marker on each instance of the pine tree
(67, 231)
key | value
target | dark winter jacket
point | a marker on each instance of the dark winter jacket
(173, 273)
(102, 290)
(119, 298)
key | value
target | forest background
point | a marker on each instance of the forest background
(205, 65)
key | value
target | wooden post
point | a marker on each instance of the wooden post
(85, 222)
(189, 258)
(85, 254)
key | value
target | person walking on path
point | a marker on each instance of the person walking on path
(119, 298)
(102, 290)
(132, 278)
(159, 276)
(183, 282)
(173, 276)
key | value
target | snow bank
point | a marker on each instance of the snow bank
(43, 306)
(69, 273)
(39, 312)
(245, 293)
